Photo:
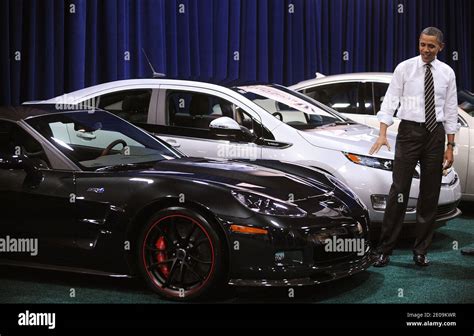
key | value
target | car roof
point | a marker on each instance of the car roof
(79, 95)
(18, 113)
(382, 76)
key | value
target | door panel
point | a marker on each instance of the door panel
(37, 200)
(48, 208)
(38, 206)
(10, 182)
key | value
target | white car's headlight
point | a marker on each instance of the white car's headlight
(370, 161)
(267, 206)
(373, 162)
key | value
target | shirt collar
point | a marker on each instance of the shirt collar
(421, 64)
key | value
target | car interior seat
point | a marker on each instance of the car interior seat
(135, 107)
(199, 109)
(227, 110)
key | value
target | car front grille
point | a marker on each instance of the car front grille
(337, 234)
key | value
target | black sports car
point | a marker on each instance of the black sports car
(99, 195)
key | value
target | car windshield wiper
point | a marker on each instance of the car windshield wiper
(337, 123)
(345, 122)
(127, 166)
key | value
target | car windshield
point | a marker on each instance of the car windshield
(99, 140)
(293, 108)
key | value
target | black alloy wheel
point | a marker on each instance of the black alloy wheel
(180, 254)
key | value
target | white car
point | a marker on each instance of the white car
(359, 96)
(268, 122)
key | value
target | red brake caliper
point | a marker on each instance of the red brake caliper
(161, 256)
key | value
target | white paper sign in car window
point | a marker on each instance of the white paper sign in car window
(282, 97)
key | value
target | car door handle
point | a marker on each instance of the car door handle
(173, 143)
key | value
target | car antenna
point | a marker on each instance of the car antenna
(155, 74)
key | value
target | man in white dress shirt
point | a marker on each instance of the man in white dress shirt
(423, 89)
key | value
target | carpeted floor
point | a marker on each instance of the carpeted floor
(450, 279)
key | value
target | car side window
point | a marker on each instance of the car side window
(131, 105)
(16, 141)
(343, 97)
(195, 109)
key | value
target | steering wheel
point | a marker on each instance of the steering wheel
(278, 115)
(107, 150)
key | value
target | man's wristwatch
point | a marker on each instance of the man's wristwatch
(452, 144)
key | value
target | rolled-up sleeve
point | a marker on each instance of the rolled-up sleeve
(450, 122)
(392, 97)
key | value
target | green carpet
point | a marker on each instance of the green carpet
(448, 280)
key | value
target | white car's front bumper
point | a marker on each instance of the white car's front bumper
(372, 184)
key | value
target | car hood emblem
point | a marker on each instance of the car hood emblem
(96, 190)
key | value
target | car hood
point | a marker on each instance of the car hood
(357, 139)
(240, 175)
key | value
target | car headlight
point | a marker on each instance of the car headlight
(374, 162)
(267, 206)
(370, 161)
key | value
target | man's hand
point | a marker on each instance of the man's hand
(448, 158)
(381, 141)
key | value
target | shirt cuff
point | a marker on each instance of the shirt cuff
(384, 118)
(450, 128)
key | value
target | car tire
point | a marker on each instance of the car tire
(180, 254)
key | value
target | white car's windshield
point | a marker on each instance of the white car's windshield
(291, 107)
(100, 140)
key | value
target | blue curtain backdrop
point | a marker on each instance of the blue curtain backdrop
(48, 47)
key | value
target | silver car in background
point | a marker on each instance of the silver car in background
(359, 96)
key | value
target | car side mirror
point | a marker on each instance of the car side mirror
(17, 162)
(34, 176)
(225, 126)
(11, 162)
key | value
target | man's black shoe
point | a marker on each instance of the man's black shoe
(467, 251)
(421, 260)
(381, 260)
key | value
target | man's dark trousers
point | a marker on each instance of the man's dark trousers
(414, 143)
